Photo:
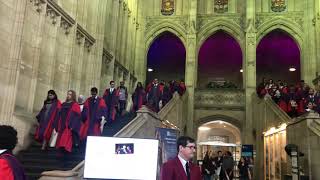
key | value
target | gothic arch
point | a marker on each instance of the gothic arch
(219, 117)
(290, 27)
(156, 30)
(227, 26)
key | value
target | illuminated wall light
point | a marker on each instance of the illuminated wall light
(292, 69)
(204, 128)
(241, 70)
(150, 70)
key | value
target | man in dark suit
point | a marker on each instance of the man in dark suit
(180, 168)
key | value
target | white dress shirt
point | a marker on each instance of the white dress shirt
(183, 162)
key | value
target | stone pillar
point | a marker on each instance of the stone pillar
(65, 40)
(191, 66)
(47, 57)
(115, 73)
(129, 47)
(316, 22)
(14, 17)
(308, 53)
(77, 62)
(124, 33)
(117, 50)
(249, 74)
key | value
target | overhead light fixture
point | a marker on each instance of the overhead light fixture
(220, 122)
(150, 69)
(224, 126)
(204, 128)
(292, 69)
(241, 70)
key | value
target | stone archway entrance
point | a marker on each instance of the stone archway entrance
(218, 135)
(166, 58)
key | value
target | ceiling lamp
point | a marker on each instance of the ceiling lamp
(292, 69)
(150, 69)
(204, 128)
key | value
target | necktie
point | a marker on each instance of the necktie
(188, 170)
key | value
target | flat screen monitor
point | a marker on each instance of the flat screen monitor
(121, 158)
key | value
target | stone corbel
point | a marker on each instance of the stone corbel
(125, 75)
(129, 12)
(124, 6)
(38, 4)
(79, 37)
(52, 14)
(88, 44)
(106, 56)
(65, 25)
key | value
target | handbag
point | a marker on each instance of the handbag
(53, 139)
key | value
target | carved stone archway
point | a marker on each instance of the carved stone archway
(227, 26)
(219, 117)
(290, 27)
(156, 30)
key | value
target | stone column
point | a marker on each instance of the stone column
(13, 19)
(316, 22)
(308, 53)
(77, 62)
(129, 47)
(250, 69)
(191, 66)
(117, 50)
(123, 39)
(65, 40)
(115, 74)
(47, 57)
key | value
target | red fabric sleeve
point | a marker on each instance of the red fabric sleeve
(5, 170)
(166, 172)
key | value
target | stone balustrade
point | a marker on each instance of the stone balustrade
(219, 98)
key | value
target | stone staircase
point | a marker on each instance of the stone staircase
(35, 161)
(315, 126)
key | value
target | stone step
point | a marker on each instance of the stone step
(35, 161)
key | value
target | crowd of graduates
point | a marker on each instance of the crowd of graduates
(295, 100)
(66, 125)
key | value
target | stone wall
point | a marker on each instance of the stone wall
(305, 133)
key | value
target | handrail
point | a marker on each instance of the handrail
(277, 110)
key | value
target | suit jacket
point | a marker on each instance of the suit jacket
(173, 170)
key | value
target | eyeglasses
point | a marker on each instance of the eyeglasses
(192, 147)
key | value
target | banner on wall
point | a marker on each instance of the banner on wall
(167, 143)
(247, 150)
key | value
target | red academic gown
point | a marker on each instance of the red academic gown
(112, 101)
(173, 170)
(69, 122)
(91, 114)
(45, 127)
(138, 99)
(10, 168)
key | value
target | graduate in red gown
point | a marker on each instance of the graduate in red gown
(94, 111)
(181, 167)
(68, 123)
(155, 95)
(166, 94)
(182, 88)
(138, 97)
(10, 168)
(111, 98)
(46, 117)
